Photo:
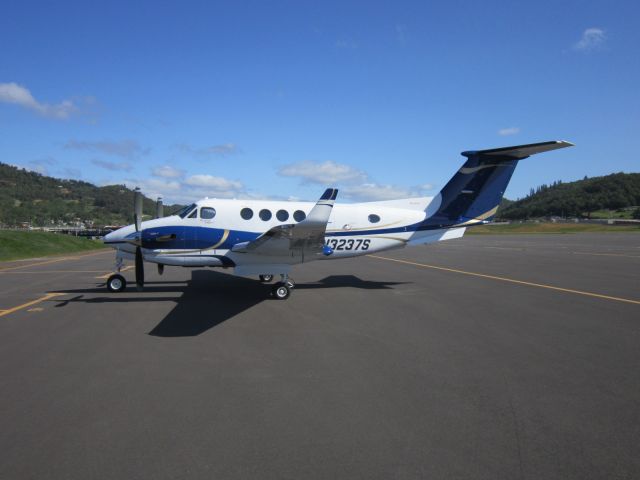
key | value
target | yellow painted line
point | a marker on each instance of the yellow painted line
(54, 271)
(107, 275)
(28, 304)
(606, 254)
(75, 257)
(511, 280)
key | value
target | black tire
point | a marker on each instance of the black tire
(266, 278)
(116, 283)
(281, 291)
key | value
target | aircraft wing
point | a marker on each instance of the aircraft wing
(306, 237)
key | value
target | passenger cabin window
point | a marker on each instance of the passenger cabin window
(282, 215)
(246, 213)
(299, 215)
(373, 218)
(207, 213)
(265, 214)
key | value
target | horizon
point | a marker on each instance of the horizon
(280, 101)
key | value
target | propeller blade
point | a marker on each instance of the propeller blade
(159, 208)
(137, 208)
(139, 269)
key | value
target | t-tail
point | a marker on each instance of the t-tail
(474, 193)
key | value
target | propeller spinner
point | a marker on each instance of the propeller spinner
(137, 208)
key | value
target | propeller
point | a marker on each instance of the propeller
(137, 208)
(159, 208)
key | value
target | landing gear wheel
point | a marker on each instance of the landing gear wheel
(266, 278)
(281, 291)
(116, 283)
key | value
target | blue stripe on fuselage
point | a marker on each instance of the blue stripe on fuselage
(202, 238)
(179, 237)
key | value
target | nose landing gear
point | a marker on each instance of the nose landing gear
(116, 283)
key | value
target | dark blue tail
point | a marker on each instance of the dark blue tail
(474, 193)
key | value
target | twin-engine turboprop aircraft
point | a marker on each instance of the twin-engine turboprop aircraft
(266, 238)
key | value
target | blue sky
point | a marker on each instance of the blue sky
(281, 99)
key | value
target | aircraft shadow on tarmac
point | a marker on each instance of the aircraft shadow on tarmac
(208, 299)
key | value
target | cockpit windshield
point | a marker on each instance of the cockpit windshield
(186, 210)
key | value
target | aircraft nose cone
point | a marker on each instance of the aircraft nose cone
(109, 237)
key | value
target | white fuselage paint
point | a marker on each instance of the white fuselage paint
(358, 235)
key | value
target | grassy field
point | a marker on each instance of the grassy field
(514, 228)
(15, 245)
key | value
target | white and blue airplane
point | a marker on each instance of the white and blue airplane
(266, 238)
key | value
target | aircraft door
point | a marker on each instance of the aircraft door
(200, 230)
(208, 236)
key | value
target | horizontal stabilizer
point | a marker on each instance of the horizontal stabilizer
(519, 152)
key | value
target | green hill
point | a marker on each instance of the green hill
(27, 196)
(612, 195)
(29, 244)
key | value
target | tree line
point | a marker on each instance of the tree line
(29, 197)
(577, 199)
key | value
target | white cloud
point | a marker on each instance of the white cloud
(123, 166)
(325, 173)
(355, 184)
(19, 95)
(195, 187)
(592, 39)
(373, 192)
(121, 148)
(166, 186)
(509, 131)
(167, 171)
(215, 183)
(222, 150)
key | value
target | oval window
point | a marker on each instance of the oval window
(282, 215)
(373, 218)
(265, 214)
(246, 213)
(207, 213)
(299, 215)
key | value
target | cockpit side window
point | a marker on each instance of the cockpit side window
(186, 210)
(193, 214)
(207, 213)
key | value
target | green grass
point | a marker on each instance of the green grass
(515, 228)
(15, 245)
(623, 213)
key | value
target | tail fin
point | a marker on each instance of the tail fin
(474, 193)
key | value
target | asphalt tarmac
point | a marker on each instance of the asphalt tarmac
(486, 357)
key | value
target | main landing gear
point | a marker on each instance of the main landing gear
(282, 289)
